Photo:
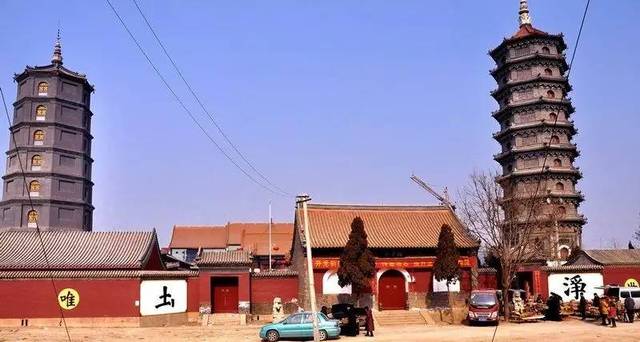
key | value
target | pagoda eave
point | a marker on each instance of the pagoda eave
(538, 101)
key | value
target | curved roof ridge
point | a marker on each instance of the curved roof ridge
(377, 206)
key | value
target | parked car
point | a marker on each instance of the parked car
(340, 312)
(484, 307)
(623, 293)
(300, 325)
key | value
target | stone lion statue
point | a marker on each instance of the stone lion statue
(278, 309)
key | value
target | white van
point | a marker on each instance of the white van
(623, 293)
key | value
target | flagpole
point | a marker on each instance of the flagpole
(270, 242)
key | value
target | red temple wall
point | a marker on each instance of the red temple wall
(619, 274)
(423, 280)
(264, 289)
(98, 298)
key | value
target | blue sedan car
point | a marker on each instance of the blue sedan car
(300, 325)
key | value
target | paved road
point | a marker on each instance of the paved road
(569, 330)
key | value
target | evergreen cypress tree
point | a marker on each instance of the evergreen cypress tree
(446, 265)
(357, 264)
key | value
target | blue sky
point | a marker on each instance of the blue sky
(339, 99)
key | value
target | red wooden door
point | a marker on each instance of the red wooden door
(391, 291)
(224, 295)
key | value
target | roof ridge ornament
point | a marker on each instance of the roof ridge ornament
(57, 51)
(524, 18)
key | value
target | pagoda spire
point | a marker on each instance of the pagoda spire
(524, 18)
(57, 51)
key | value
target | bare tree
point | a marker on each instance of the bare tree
(636, 235)
(505, 224)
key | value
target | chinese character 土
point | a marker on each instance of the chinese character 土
(574, 285)
(165, 296)
(68, 299)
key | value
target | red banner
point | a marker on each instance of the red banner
(415, 262)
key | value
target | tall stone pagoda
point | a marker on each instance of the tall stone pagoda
(536, 134)
(51, 126)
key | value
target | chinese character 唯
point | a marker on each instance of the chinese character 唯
(69, 299)
(574, 285)
(165, 296)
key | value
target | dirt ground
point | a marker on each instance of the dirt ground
(569, 330)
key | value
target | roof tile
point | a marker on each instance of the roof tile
(224, 258)
(75, 250)
(386, 226)
(199, 237)
(614, 256)
(92, 274)
(253, 237)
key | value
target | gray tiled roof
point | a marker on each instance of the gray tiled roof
(92, 274)
(80, 250)
(614, 256)
(275, 273)
(573, 268)
(224, 258)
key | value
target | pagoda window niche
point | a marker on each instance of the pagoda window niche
(43, 89)
(36, 163)
(32, 219)
(562, 211)
(41, 113)
(555, 140)
(553, 117)
(546, 50)
(38, 138)
(34, 188)
(548, 72)
(551, 94)
(559, 186)
(557, 162)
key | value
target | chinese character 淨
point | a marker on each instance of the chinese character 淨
(574, 285)
(165, 296)
(69, 299)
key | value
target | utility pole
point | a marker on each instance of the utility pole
(270, 242)
(303, 199)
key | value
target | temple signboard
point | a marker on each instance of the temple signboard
(382, 263)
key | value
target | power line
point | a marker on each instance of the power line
(575, 49)
(184, 107)
(39, 233)
(197, 98)
(555, 121)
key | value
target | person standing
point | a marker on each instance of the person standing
(613, 312)
(629, 308)
(352, 327)
(582, 307)
(369, 326)
(596, 301)
(620, 310)
(604, 310)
